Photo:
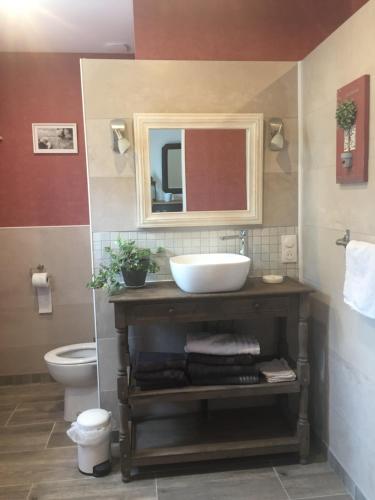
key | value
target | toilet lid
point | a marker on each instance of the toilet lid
(74, 354)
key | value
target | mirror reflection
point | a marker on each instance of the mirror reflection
(166, 170)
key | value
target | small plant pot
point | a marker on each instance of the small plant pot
(347, 159)
(136, 279)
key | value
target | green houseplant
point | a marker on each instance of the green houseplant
(132, 261)
(346, 114)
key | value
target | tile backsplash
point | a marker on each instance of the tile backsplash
(264, 247)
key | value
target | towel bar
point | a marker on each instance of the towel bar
(344, 240)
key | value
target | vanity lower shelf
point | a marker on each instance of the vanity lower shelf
(212, 435)
(192, 393)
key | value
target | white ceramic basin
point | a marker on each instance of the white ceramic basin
(213, 272)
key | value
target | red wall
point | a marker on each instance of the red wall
(250, 30)
(40, 190)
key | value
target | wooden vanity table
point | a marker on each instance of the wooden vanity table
(216, 434)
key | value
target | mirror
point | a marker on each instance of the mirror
(195, 169)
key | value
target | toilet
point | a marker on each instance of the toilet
(75, 367)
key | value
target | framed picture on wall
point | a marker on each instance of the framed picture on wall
(55, 138)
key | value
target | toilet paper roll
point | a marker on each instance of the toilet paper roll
(41, 283)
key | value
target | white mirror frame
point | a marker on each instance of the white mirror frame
(252, 122)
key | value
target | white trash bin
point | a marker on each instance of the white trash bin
(92, 433)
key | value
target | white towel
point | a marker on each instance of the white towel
(222, 344)
(276, 370)
(359, 287)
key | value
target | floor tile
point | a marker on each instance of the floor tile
(14, 492)
(38, 466)
(244, 485)
(110, 487)
(312, 480)
(6, 411)
(59, 437)
(31, 392)
(34, 412)
(330, 497)
(24, 437)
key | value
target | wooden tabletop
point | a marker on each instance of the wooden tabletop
(168, 290)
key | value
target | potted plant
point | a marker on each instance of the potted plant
(346, 113)
(132, 261)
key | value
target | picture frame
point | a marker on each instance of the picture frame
(55, 138)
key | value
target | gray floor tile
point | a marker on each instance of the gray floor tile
(243, 485)
(31, 392)
(59, 437)
(14, 492)
(110, 487)
(312, 480)
(330, 497)
(24, 437)
(36, 412)
(5, 412)
(38, 466)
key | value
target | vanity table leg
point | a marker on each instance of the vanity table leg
(123, 395)
(303, 370)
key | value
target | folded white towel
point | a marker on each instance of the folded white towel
(276, 370)
(359, 287)
(222, 344)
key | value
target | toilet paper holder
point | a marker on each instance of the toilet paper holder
(40, 268)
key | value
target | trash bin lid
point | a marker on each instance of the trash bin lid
(93, 419)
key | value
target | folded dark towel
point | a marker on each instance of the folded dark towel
(157, 361)
(149, 385)
(211, 359)
(198, 370)
(160, 375)
(239, 380)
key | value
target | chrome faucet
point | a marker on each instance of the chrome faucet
(244, 245)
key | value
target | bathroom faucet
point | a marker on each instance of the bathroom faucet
(244, 246)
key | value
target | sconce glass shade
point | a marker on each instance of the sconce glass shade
(277, 141)
(120, 142)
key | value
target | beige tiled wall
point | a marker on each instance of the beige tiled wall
(343, 342)
(25, 335)
(117, 89)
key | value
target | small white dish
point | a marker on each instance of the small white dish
(273, 278)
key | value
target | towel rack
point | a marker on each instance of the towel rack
(344, 240)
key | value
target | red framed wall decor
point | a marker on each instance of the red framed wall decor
(359, 92)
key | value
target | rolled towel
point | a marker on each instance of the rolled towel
(222, 344)
(239, 380)
(197, 370)
(158, 361)
(210, 359)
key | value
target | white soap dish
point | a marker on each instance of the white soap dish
(273, 278)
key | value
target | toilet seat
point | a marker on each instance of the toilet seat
(60, 355)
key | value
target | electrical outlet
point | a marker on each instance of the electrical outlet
(288, 248)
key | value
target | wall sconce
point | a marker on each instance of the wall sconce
(120, 142)
(277, 140)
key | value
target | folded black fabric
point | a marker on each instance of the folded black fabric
(211, 359)
(157, 361)
(160, 375)
(198, 370)
(149, 385)
(239, 380)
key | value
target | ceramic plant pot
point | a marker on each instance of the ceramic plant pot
(346, 159)
(135, 279)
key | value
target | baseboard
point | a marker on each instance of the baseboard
(26, 378)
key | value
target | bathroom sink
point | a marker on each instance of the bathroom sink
(213, 272)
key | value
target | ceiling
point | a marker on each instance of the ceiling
(100, 26)
(173, 29)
